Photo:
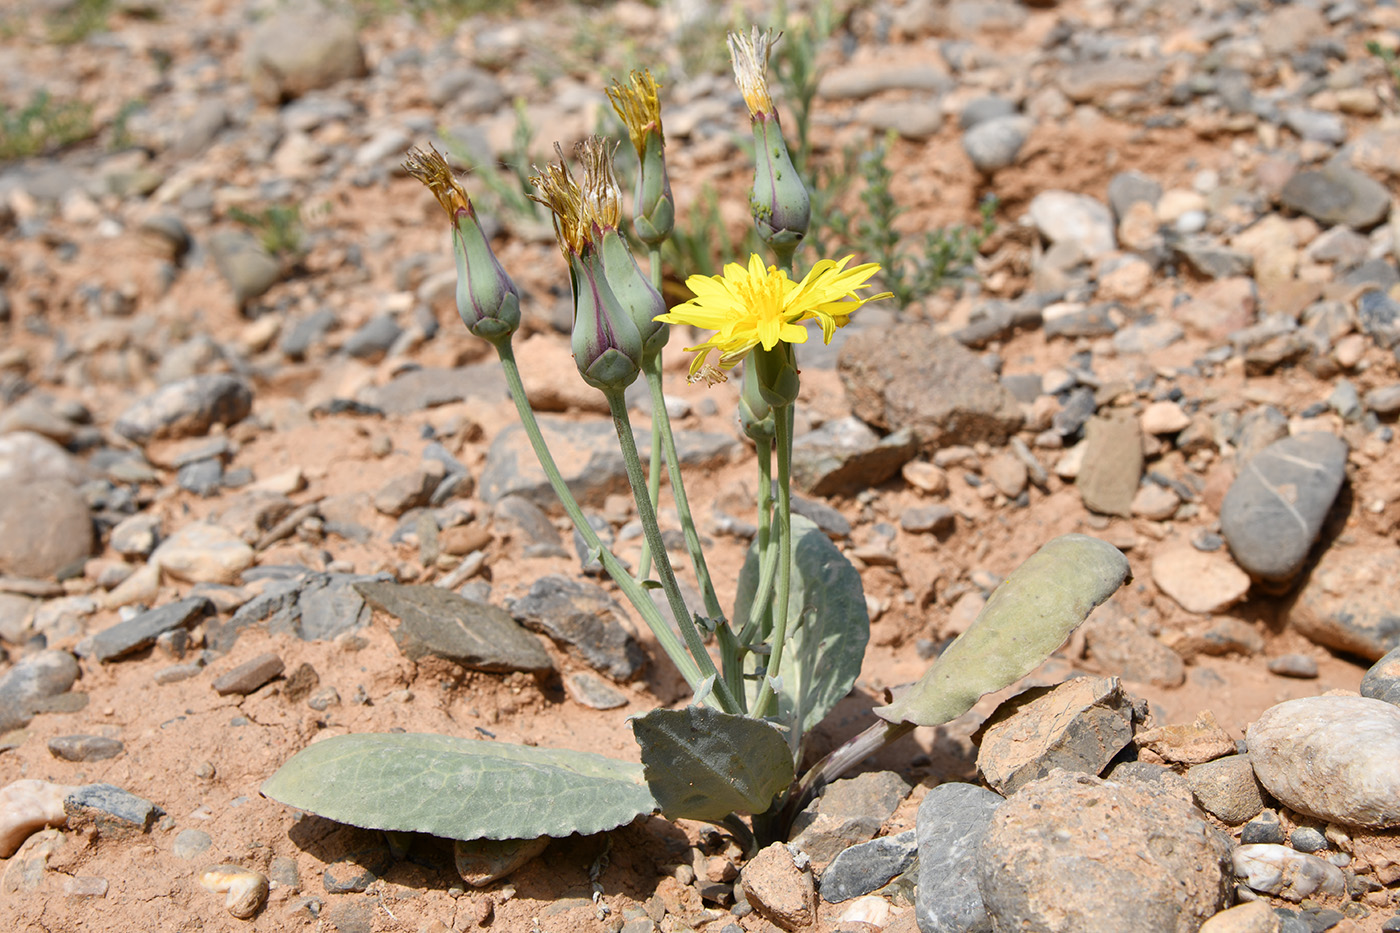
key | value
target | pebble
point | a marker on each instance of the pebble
(1199, 741)
(925, 477)
(202, 552)
(1336, 194)
(1118, 645)
(1307, 839)
(848, 812)
(1345, 604)
(41, 675)
(246, 888)
(1294, 665)
(141, 631)
(1274, 510)
(191, 842)
(441, 623)
(583, 617)
(1264, 828)
(780, 887)
(1078, 726)
(136, 535)
(1112, 465)
(1278, 870)
(483, 861)
(1382, 680)
(112, 810)
(299, 48)
(84, 747)
(1053, 858)
(1251, 917)
(928, 519)
(845, 455)
(249, 676)
(994, 144)
(868, 866)
(1331, 757)
(27, 806)
(952, 822)
(1227, 789)
(593, 691)
(1199, 581)
(187, 408)
(45, 528)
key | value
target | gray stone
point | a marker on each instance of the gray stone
(203, 477)
(186, 408)
(1293, 665)
(1073, 852)
(191, 842)
(16, 617)
(113, 810)
(593, 691)
(1347, 602)
(1384, 401)
(1094, 81)
(1076, 219)
(1317, 126)
(911, 119)
(1274, 510)
(1112, 468)
(994, 144)
(849, 811)
(244, 264)
(419, 389)
(45, 528)
(952, 822)
(887, 375)
(441, 623)
(1211, 259)
(1264, 828)
(406, 492)
(584, 618)
(1147, 336)
(1078, 726)
(981, 109)
(588, 456)
(861, 81)
(1337, 194)
(482, 861)
(141, 631)
(328, 605)
(1379, 316)
(354, 874)
(34, 678)
(249, 676)
(844, 455)
(1120, 646)
(1331, 757)
(523, 521)
(868, 866)
(1382, 681)
(1307, 839)
(84, 747)
(830, 521)
(1226, 788)
(374, 339)
(928, 519)
(300, 48)
(468, 89)
(26, 457)
(136, 535)
(1128, 188)
(300, 333)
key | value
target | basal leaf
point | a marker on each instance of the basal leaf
(828, 627)
(702, 764)
(1027, 617)
(460, 788)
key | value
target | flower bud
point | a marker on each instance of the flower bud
(755, 414)
(607, 345)
(635, 292)
(775, 371)
(654, 208)
(780, 204)
(487, 299)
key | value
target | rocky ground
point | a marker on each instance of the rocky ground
(228, 428)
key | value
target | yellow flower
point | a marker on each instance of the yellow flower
(758, 306)
(638, 107)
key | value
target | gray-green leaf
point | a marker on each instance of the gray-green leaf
(828, 627)
(1027, 617)
(460, 788)
(702, 764)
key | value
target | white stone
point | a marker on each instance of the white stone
(1279, 870)
(1067, 217)
(1204, 582)
(1332, 757)
(204, 553)
(1164, 418)
(27, 806)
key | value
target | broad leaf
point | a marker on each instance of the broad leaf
(702, 764)
(828, 626)
(1027, 617)
(460, 788)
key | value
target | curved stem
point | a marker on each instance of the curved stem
(633, 590)
(653, 483)
(768, 555)
(661, 424)
(783, 422)
(618, 405)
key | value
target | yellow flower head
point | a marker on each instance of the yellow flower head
(581, 209)
(755, 306)
(432, 170)
(749, 55)
(638, 107)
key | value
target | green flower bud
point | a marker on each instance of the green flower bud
(634, 292)
(780, 204)
(775, 371)
(607, 345)
(653, 207)
(487, 299)
(755, 414)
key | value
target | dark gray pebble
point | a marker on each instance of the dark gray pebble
(84, 747)
(250, 675)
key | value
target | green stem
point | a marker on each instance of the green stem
(767, 554)
(662, 424)
(634, 591)
(618, 405)
(783, 422)
(653, 484)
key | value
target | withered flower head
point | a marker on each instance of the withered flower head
(749, 55)
(432, 170)
(639, 108)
